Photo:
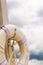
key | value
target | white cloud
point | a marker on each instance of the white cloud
(35, 62)
(27, 10)
(35, 37)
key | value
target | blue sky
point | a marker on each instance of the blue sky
(28, 14)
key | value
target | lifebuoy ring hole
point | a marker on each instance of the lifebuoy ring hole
(16, 48)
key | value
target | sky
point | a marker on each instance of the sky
(23, 12)
(28, 14)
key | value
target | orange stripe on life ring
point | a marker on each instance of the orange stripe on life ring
(22, 41)
(3, 63)
(6, 30)
(19, 63)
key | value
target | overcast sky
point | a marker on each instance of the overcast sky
(28, 14)
(23, 12)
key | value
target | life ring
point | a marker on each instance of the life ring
(14, 33)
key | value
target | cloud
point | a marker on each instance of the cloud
(38, 56)
(40, 12)
(22, 12)
(12, 5)
(35, 36)
(17, 21)
(35, 62)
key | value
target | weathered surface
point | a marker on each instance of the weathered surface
(3, 12)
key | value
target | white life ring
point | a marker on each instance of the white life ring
(15, 33)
